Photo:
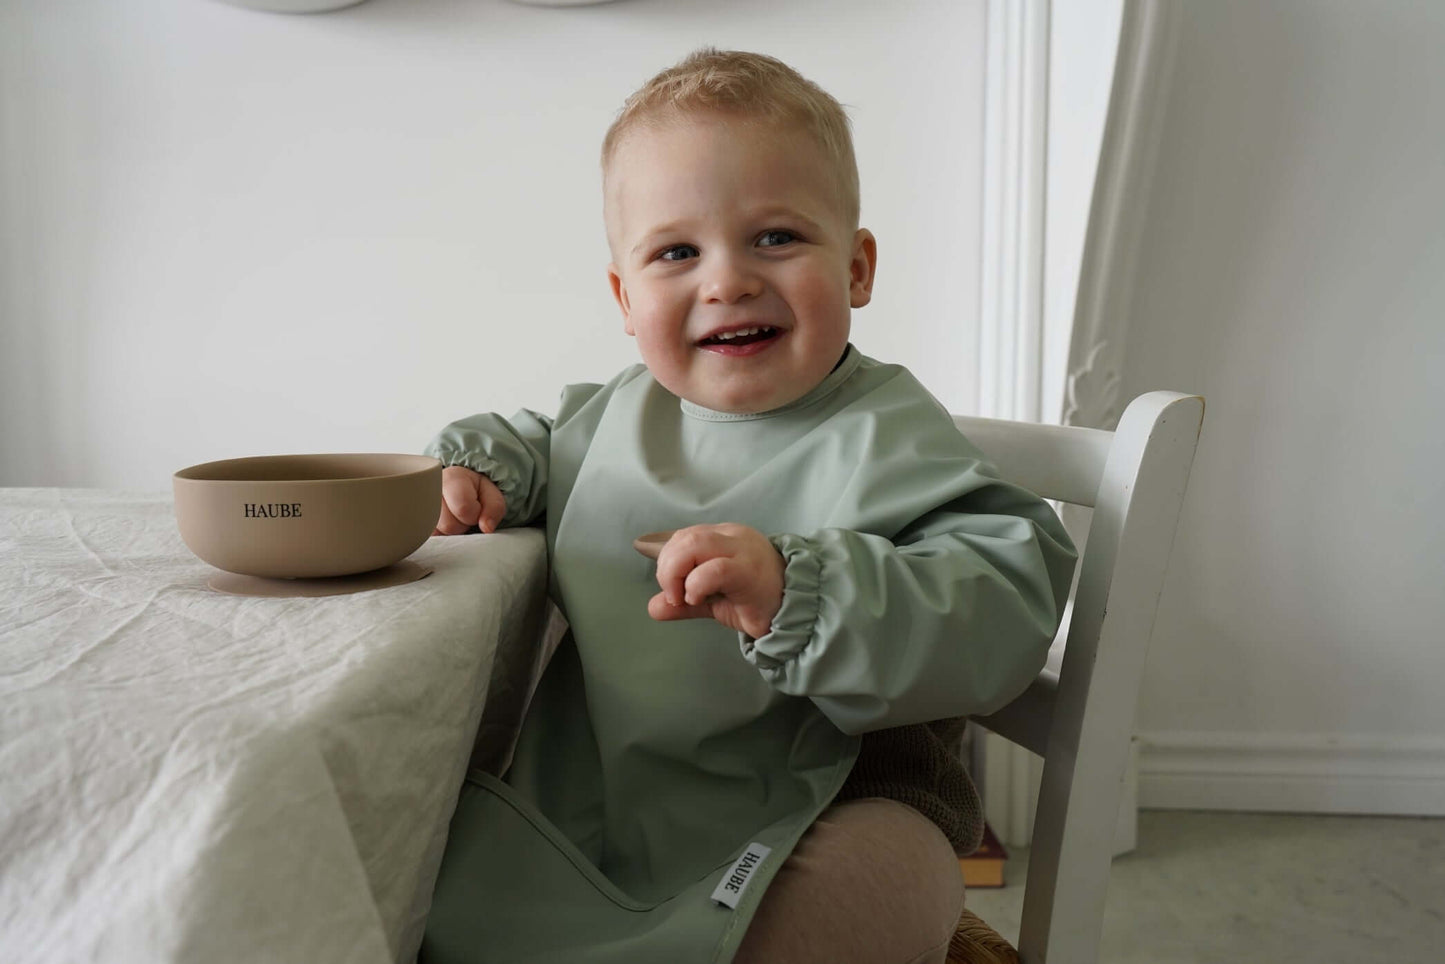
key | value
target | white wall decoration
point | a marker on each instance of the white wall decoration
(1015, 147)
(294, 6)
(1015, 143)
(561, 3)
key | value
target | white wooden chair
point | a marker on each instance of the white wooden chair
(1080, 719)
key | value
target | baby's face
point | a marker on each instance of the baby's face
(732, 261)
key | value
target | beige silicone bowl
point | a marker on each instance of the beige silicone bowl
(308, 516)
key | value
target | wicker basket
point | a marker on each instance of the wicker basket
(974, 942)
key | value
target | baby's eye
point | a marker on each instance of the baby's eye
(776, 237)
(678, 252)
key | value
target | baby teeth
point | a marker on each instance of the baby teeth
(730, 335)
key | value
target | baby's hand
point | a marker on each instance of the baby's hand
(726, 572)
(469, 500)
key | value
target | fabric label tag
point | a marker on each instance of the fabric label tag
(737, 877)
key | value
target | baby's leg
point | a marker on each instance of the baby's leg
(873, 881)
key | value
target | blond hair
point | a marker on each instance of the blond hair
(751, 86)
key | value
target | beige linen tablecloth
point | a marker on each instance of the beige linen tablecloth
(190, 776)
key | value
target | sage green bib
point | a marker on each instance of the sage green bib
(666, 769)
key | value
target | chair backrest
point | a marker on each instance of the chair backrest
(1081, 719)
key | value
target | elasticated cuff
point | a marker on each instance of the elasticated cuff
(795, 624)
(502, 477)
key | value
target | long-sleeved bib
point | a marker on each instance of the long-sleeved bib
(666, 769)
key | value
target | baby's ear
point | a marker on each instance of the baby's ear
(861, 268)
(619, 292)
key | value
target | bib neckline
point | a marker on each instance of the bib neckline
(822, 390)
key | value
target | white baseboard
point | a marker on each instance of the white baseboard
(1299, 773)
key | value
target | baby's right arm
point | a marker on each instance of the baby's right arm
(495, 470)
(469, 500)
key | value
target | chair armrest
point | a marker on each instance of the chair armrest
(1026, 720)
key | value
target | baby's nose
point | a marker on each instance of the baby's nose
(729, 281)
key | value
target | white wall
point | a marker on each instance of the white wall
(225, 232)
(1293, 271)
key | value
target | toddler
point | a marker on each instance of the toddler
(745, 751)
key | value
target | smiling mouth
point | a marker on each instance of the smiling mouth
(741, 337)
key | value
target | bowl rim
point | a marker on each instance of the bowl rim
(431, 465)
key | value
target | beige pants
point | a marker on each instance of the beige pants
(873, 881)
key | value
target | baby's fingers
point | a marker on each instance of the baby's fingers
(660, 609)
(687, 549)
(460, 499)
(448, 524)
(672, 569)
(494, 505)
(717, 576)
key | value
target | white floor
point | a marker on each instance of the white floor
(1239, 888)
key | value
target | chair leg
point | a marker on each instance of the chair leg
(974, 942)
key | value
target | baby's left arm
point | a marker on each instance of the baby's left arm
(951, 617)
